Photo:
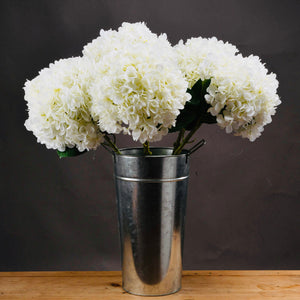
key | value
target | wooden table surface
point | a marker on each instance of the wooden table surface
(231, 285)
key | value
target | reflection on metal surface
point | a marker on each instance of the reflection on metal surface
(152, 180)
(151, 197)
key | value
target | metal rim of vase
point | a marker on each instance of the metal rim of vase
(184, 152)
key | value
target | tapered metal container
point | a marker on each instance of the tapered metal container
(151, 196)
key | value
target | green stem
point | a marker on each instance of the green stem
(147, 148)
(111, 144)
(187, 138)
(179, 138)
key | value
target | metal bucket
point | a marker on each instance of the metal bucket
(151, 196)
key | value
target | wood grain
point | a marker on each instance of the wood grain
(231, 285)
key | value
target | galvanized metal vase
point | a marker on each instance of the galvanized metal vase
(151, 196)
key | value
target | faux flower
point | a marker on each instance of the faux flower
(133, 81)
(111, 40)
(138, 88)
(59, 106)
(199, 57)
(242, 95)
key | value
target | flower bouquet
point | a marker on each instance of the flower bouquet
(134, 82)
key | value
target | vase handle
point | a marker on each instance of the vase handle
(196, 147)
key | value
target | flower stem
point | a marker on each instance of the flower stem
(187, 138)
(147, 148)
(179, 138)
(111, 144)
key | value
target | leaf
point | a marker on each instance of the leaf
(205, 85)
(196, 93)
(209, 119)
(69, 152)
(195, 109)
(186, 117)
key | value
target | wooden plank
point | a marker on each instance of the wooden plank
(186, 273)
(196, 285)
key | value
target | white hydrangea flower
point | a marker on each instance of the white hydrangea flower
(138, 86)
(199, 57)
(111, 40)
(242, 95)
(59, 106)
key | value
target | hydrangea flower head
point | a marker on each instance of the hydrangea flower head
(242, 95)
(138, 87)
(59, 106)
(199, 57)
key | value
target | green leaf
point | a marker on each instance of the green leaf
(186, 117)
(196, 93)
(205, 85)
(195, 109)
(209, 119)
(69, 152)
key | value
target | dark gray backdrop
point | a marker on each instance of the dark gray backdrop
(243, 205)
